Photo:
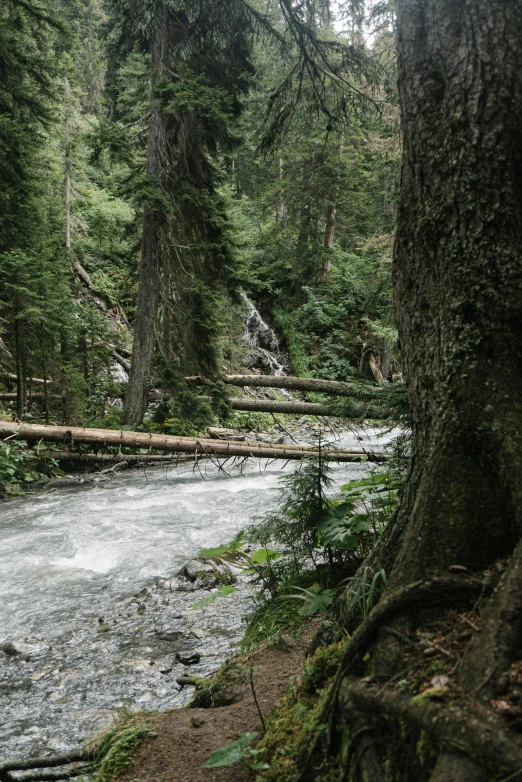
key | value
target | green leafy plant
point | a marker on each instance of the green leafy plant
(225, 548)
(293, 527)
(222, 591)
(18, 466)
(250, 563)
(369, 591)
(352, 522)
(117, 747)
(314, 599)
(233, 753)
(339, 526)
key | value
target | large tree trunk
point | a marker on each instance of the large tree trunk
(331, 221)
(458, 278)
(144, 325)
(21, 387)
(458, 295)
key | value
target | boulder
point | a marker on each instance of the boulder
(207, 573)
(9, 649)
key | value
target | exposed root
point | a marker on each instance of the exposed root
(428, 592)
(481, 735)
(497, 643)
(456, 767)
(362, 754)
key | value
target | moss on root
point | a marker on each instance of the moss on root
(222, 688)
(294, 723)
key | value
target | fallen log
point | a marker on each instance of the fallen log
(290, 382)
(271, 406)
(113, 458)
(257, 405)
(36, 380)
(51, 776)
(14, 397)
(123, 362)
(53, 761)
(200, 446)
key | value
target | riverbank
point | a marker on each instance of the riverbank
(186, 737)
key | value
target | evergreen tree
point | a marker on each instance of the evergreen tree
(199, 68)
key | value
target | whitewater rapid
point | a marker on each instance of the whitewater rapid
(81, 596)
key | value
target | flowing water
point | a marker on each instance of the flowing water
(83, 596)
(263, 339)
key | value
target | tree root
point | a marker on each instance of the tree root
(482, 736)
(53, 761)
(497, 642)
(429, 592)
(362, 755)
(456, 767)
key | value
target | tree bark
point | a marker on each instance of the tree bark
(458, 296)
(21, 382)
(376, 370)
(331, 220)
(144, 326)
(458, 279)
(68, 167)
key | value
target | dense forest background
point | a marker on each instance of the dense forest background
(269, 178)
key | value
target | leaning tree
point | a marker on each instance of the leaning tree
(458, 295)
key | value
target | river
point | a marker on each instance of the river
(81, 594)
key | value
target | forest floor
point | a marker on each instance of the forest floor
(187, 737)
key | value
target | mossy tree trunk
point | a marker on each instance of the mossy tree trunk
(458, 295)
(458, 278)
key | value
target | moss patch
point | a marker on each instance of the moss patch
(294, 723)
(118, 746)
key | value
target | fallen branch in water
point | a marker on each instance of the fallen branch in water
(53, 776)
(53, 761)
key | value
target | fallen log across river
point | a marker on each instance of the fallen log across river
(85, 457)
(272, 406)
(335, 387)
(200, 446)
(258, 405)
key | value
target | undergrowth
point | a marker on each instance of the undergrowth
(294, 722)
(118, 746)
(275, 617)
(20, 466)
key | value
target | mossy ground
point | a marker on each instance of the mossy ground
(119, 744)
(294, 723)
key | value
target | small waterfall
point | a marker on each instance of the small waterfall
(263, 340)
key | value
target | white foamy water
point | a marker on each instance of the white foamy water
(74, 555)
